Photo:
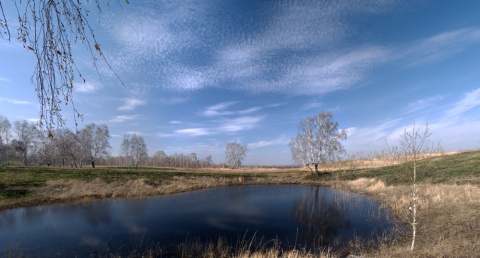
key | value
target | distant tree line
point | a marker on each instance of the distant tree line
(24, 143)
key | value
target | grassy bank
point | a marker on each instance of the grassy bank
(449, 221)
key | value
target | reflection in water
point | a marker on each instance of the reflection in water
(319, 218)
(312, 217)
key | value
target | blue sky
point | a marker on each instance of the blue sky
(199, 74)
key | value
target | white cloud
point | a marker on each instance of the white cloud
(311, 105)
(187, 46)
(175, 122)
(422, 104)
(123, 118)
(131, 103)
(439, 46)
(4, 79)
(370, 137)
(194, 131)
(16, 101)
(282, 140)
(86, 87)
(240, 124)
(218, 109)
(248, 61)
(134, 132)
(471, 100)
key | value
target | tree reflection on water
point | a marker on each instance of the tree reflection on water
(320, 218)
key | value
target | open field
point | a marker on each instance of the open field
(448, 213)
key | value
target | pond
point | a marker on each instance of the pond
(297, 216)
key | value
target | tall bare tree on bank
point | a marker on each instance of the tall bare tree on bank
(318, 141)
(49, 29)
(95, 142)
(27, 140)
(414, 146)
(134, 150)
(234, 154)
(5, 127)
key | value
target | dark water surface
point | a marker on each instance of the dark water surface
(305, 216)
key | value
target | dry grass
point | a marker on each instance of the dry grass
(448, 215)
(244, 249)
(448, 212)
(69, 190)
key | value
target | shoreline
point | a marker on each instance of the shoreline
(442, 230)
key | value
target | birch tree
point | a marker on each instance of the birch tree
(27, 140)
(134, 149)
(49, 29)
(138, 150)
(414, 146)
(95, 141)
(318, 141)
(5, 134)
(235, 153)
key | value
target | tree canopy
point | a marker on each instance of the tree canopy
(235, 153)
(318, 141)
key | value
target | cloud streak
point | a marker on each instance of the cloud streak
(123, 118)
(131, 104)
(16, 101)
(282, 140)
(256, 60)
(468, 102)
(422, 104)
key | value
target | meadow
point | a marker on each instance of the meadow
(449, 198)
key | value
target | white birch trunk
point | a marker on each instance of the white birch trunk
(414, 221)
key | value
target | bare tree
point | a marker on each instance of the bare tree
(160, 159)
(48, 28)
(5, 134)
(234, 154)
(125, 150)
(27, 140)
(48, 151)
(134, 149)
(318, 141)
(95, 139)
(208, 161)
(70, 147)
(414, 145)
(138, 150)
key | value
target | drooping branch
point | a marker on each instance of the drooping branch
(49, 29)
(4, 24)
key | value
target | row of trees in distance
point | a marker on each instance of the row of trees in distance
(24, 143)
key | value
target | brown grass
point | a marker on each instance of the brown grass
(448, 215)
(63, 190)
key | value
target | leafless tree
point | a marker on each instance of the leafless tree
(49, 29)
(69, 147)
(5, 134)
(47, 151)
(95, 139)
(318, 141)
(159, 159)
(414, 146)
(138, 150)
(234, 154)
(134, 149)
(208, 161)
(27, 140)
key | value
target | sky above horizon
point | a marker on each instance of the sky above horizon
(200, 74)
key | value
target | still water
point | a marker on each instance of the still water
(301, 216)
